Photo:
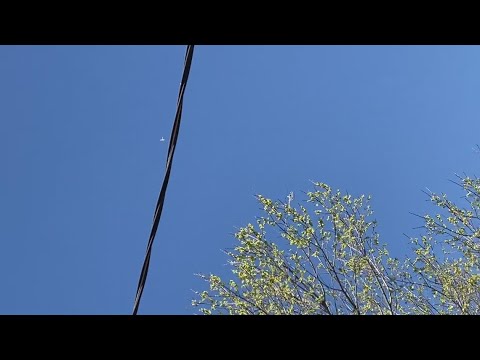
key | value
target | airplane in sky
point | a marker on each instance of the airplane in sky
(162, 139)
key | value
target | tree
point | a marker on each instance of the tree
(330, 261)
(445, 276)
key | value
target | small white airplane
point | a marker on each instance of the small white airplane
(162, 139)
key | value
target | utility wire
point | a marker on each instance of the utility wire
(161, 196)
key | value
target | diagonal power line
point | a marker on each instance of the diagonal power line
(161, 196)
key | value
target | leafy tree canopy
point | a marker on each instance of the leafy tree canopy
(325, 257)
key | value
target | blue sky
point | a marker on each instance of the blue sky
(82, 161)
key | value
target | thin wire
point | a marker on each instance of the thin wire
(161, 196)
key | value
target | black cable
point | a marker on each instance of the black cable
(161, 197)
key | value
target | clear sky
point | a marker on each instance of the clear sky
(82, 162)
